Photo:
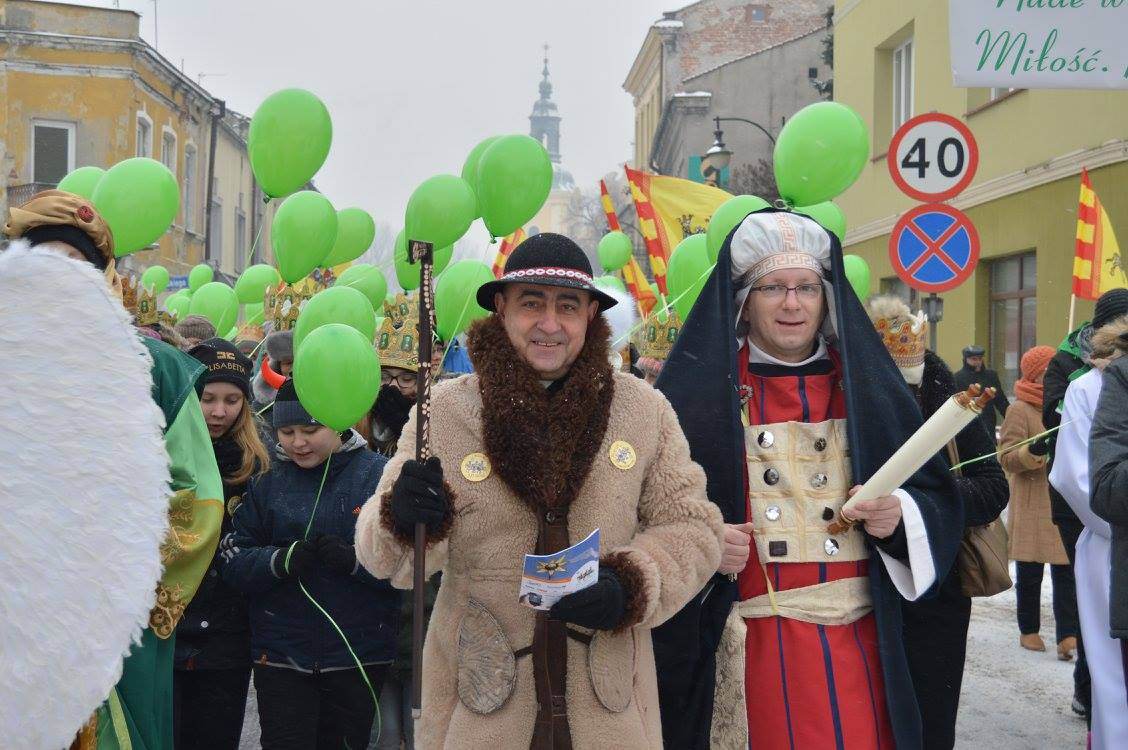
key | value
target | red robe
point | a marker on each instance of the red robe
(807, 685)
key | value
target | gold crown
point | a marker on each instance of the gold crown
(141, 302)
(281, 305)
(904, 337)
(655, 337)
(397, 341)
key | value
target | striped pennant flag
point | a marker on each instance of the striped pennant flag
(508, 244)
(633, 276)
(1097, 263)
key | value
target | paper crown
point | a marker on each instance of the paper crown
(397, 341)
(141, 302)
(282, 304)
(904, 337)
(655, 337)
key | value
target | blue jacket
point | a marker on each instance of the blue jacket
(286, 629)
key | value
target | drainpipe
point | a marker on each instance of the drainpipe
(219, 109)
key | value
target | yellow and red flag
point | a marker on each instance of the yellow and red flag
(669, 210)
(1097, 264)
(633, 276)
(508, 244)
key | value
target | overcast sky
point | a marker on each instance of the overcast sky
(412, 86)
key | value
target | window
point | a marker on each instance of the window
(190, 188)
(52, 151)
(144, 135)
(215, 226)
(168, 149)
(894, 287)
(1013, 314)
(902, 84)
(755, 13)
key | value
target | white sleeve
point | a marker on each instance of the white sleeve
(913, 579)
(1070, 472)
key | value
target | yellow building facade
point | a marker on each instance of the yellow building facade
(891, 62)
(78, 87)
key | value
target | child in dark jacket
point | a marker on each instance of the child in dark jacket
(310, 692)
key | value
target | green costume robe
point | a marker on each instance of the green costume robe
(138, 713)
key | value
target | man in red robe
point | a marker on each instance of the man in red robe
(808, 650)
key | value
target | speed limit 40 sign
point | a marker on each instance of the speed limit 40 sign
(932, 157)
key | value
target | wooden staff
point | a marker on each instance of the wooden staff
(423, 254)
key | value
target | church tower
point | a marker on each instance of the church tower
(544, 122)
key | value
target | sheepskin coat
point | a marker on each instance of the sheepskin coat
(547, 449)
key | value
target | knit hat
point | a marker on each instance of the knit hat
(196, 327)
(1111, 304)
(226, 364)
(547, 259)
(280, 346)
(56, 215)
(973, 350)
(288, 410)
(1035, 362)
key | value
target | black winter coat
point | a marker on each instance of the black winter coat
(215, 631)
(986, 378)
(286, 629)
(1108, 489)
(1064, 368)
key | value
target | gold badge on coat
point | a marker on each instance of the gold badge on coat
(476, 467)
(623, 454)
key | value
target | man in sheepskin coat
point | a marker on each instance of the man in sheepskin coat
(543, 445)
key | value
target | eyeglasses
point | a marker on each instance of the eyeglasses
(779, 291)
(405, 379)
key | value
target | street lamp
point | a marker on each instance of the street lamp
(718, 156)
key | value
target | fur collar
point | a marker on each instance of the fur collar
(1111, 340)
(541, 443)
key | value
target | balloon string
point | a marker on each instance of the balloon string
(1010, 448)
(615, 345)
(258, 235)
(314, 602)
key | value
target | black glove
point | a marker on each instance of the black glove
(1040, 447)
(303, 559)
(600, 606)
(335, 554)
(418, 496)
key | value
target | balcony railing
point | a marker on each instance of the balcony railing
(20, 194)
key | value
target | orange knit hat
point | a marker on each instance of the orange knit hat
(1035, 362)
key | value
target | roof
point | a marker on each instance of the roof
(777, 45)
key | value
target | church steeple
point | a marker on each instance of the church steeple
(544, 122)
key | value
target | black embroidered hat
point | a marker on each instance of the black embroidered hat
(547, 259)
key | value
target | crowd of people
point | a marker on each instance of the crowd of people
(728, 608)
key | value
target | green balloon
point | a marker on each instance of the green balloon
(687, 273)
(82, 181)
(178, 304)
(440, 210)
(726, 217)
(337, 375)
(828, 215)
(139, 199)
(253, 313)
(407, 274)
(302, 234)
(858, 274)
(155, 279)
(368, 279)
(456, 305)
(513, 181)
(288, 140)
(610, 282)
(338, 304)
(253, 282)
(615, 250)
(199, 275)
(230, 335)
(820, 152)
(355, 232)
(470, 166)
(217, 302)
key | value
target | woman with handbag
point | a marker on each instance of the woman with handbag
(1034, 540)
(935, 630)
